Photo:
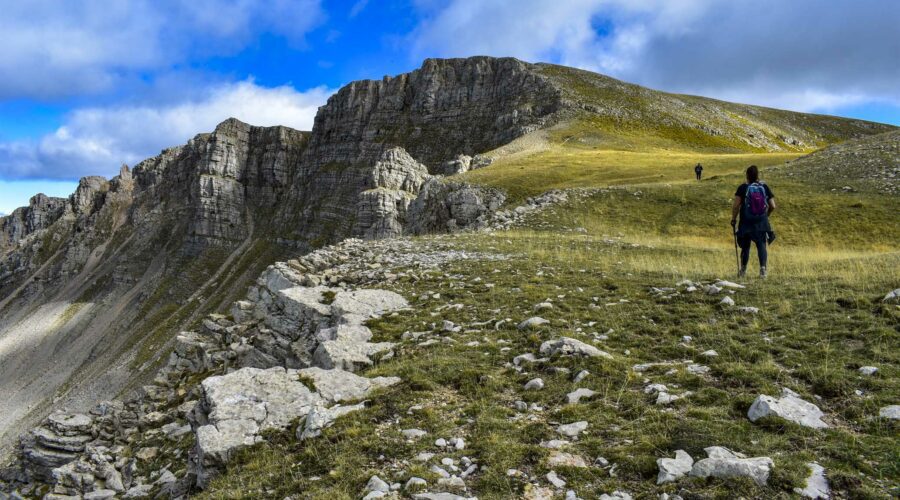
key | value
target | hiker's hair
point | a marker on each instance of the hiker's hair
(752, 174)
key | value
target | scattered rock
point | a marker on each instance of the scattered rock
(535, 492)
(572, 430)
(415, 484)
(816, 486)
(532, 323)
(868, 370)
(377, 484)
(575, 396)
(413, 433)
(723, 463)
(670, 469)
(616, 495)
(697, 369)
(571, 347)
(891, 412)
(561, 458)
(440, 496)
(534, 385)
(555, 480)
(789, 407)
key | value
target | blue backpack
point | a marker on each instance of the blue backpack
(756, 204)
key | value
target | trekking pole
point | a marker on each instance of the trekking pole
(737, 258)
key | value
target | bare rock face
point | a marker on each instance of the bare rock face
(41, 212)
(446, 108)
(394, 182)
(444, 206)
(238, 406)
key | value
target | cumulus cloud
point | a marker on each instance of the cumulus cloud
(94, 141)
(57, 48)
(802, 55)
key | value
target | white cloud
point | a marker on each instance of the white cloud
(358, 7)
(56, 48)
(94, 141)
(804, 55)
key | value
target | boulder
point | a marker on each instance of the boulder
(671, 469)
(571, 347)
(789, 407)
(723, 463)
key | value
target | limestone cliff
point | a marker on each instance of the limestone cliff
(107, 274)
(94, 287)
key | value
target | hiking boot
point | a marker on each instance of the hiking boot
(762, 273)
(742, 272)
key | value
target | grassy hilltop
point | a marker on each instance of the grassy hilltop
(596, 259)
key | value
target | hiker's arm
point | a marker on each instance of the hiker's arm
(735, 208)
(771, 205)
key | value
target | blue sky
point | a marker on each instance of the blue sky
(87, 86)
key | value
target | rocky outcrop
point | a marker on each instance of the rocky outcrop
(246, 386)
(235, 408)
(444, 206)
(394, 182)
(41, 212)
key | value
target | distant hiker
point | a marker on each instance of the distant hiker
(755, 202)
(698, 170)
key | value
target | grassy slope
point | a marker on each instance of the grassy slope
(620, 115)
(821, 319)
(596, 259)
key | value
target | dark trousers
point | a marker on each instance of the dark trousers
(698, 175)
(762, 253)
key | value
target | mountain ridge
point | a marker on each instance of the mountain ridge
(131, 259)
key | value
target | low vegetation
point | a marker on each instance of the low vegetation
(596, 261)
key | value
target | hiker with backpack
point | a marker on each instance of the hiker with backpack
(698, 170)
(754, 201)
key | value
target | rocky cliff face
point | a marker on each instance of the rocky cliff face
(444, 109)
(131, 258)
(41, 211)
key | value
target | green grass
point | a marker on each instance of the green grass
(570, 166)
(597, 258)
(821, 318)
